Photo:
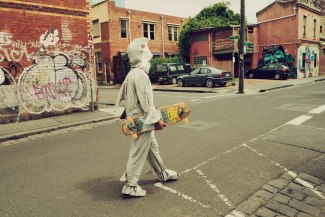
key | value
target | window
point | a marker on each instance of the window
(173, 68)
(124, 28)
(304, 25)
(315, 24)
(149, 31)
(180, 67)
(321, 29)
(204, 71)
(200, 60)
(96, 28)
(173, 33)
(200, 37)
(99, 62)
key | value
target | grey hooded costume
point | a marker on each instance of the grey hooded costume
(137, 91)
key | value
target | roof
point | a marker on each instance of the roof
(222, 28)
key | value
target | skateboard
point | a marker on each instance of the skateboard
(170, 115)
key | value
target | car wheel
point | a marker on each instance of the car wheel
(209, 83)
(251, 75)
(174, 80)
(223, 84)
(180, 82)
(277, 76)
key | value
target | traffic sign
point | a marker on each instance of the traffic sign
(233, 37)
(249, 44)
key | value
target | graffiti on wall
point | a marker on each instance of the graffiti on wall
(53, 82)
(54, 79)
(308, 61)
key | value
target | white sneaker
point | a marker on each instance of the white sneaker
(167, 175)
(133, 191)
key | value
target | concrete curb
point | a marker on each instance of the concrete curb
(188, 91)
(52, 128)
(274, 88)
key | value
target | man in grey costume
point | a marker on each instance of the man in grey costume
(137, 91)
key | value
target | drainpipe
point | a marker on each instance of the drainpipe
(162, 36)
(284, 17)
(129, 17)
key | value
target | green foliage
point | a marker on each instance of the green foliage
(216, 15)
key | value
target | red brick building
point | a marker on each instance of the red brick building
(114, 28)
(44, 50)
(295, 24)
(214, 47)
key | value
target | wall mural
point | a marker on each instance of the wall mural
(55, 79)
(308, 62)
(278, 54)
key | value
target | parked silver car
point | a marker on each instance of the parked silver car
(205, 75)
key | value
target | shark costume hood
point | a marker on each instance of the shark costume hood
(139, 54)
(136, 88)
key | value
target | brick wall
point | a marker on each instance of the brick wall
(44, 60)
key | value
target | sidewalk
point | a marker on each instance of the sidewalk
(23, 129)
(251, 86)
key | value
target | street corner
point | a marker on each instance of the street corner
(290, 195)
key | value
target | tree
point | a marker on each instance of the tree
(216, 15)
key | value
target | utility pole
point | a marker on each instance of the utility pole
(241, 47)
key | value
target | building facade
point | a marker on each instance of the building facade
(114, 28)
(45, 57)
(219, 47)
(294, 24)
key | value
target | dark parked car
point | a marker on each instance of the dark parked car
(205, 75)
(168, 72)
(273, 70)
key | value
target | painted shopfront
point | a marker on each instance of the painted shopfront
(308, 61)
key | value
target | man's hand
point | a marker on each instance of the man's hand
(159, 125)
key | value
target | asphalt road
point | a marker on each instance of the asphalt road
(233, 145)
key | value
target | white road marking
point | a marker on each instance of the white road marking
(184, 196)
(299, 120)
(194, 100)
(318, 110)
(293, 174)
(208, 161)
(215, 96)
(236, 213)
(215, 189)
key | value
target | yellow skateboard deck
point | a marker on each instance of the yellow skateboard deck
(170, 115)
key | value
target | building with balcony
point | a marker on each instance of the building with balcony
(219, 47)
(294, 24)
(115, 27)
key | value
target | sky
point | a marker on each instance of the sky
(186, 8)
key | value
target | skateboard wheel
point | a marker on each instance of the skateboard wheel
(134, 136)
